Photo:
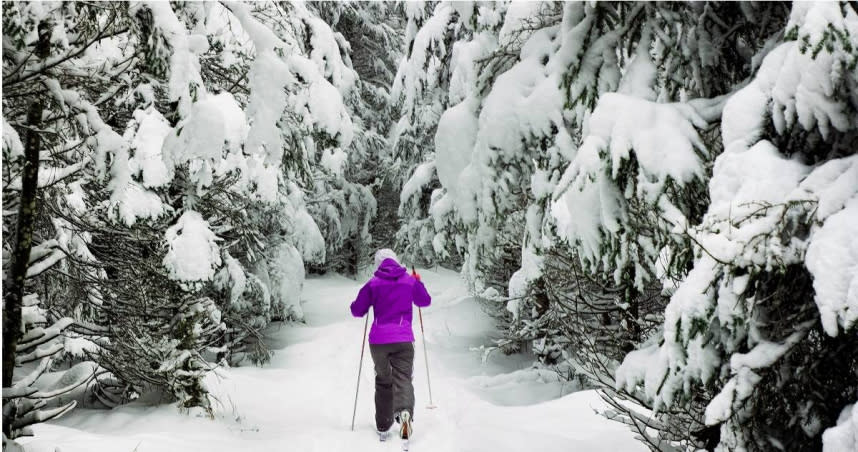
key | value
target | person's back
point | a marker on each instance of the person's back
(391, 293)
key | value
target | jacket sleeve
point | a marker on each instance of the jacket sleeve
(361, 305)
(420, 295)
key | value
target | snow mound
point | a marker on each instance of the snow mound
(844, 436)
(192, 254)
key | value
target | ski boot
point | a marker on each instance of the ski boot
(405, 429)
(383, 435)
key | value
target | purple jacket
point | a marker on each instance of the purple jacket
(390, 292)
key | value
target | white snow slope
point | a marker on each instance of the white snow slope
(303, 399)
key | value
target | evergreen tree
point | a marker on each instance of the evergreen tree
(178, 148)
(765, 307)
(348, 185)
(577, 146)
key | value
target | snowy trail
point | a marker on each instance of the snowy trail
(303, 399)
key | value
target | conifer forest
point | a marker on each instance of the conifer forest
(637, 222)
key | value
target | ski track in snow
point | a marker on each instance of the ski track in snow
(303, 399)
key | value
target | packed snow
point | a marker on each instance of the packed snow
(303, 399)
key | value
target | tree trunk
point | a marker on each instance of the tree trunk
(13, 286)
(16, 276)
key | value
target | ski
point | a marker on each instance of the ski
(404, 444)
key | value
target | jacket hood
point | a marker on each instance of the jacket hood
(390, 269)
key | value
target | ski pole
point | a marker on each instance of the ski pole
(360, 367)
(426, 357)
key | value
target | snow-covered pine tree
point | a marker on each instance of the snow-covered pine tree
(27, 338)
(36, 48)
(762, 328)
(356, 216)
(175, 159)
(344, 202)
(521, 83)
(638, 179)
(579, 92)
(494, 141)
(421, 92)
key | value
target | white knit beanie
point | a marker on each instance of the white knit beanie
(384, 253)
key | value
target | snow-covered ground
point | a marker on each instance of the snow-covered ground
(303, 399)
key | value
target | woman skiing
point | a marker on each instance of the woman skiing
(391, 341)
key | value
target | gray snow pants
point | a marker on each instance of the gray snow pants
(394, 364)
